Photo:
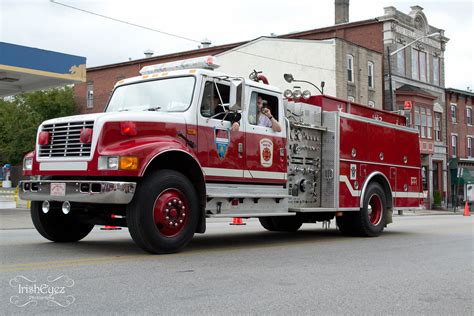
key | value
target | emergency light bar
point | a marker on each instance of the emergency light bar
(205, 62)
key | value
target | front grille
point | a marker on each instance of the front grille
(64, 140)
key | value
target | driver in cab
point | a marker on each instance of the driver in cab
(219, 112)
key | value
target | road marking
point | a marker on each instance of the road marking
(120, 259)
(265, 244)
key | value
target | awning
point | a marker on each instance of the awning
(26, 68)
(466, 175)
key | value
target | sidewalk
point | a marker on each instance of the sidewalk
(19, 218)
(428, 212)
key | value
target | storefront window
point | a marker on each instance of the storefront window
(424, 177)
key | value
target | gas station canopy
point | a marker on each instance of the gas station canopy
(25, 69)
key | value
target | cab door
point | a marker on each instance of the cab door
(220, 150)
(266, 160)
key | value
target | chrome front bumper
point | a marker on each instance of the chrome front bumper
(102, 192)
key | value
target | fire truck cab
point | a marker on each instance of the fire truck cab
(182, 142)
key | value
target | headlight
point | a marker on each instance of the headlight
(28, 163)
(118, 163)
(108, 163)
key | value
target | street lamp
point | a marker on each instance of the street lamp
(413, 42)
(289, 78)
(390, 54)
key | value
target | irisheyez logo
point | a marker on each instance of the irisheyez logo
(29, 291)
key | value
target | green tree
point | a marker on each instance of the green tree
(21, 115)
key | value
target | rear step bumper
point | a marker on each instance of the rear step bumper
(84, 191)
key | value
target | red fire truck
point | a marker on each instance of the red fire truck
(164, 157)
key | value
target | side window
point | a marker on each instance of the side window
(215, 94)
(350, 67)
(370, 72)
(259, 101)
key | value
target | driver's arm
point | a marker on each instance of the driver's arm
(275, 125)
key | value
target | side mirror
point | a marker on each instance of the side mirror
(236, 93)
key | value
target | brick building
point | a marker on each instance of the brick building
(417, 75)
(460, 131)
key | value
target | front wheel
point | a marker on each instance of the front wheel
(56, 226)
(163, 215)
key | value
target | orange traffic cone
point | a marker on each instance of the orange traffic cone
(237, 221)
(109, 227)
(466, 210)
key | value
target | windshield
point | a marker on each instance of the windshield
(168, 95)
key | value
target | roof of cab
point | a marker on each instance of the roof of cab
(192, 72)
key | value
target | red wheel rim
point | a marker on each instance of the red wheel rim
(375, 209)
(170, 212)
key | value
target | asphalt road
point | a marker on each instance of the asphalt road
(420, 265)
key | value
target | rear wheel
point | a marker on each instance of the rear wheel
(281, 223)
(163, 215)
(56, 226)
(370, 221)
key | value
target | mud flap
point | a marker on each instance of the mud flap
(201, 226)
(389, 216)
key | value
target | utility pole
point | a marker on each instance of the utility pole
(390, 78)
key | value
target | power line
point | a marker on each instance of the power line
(125, 22)
(178, 36)
(280, 60)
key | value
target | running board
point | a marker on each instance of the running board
(321, 209)
(245, 191)
(230, 215)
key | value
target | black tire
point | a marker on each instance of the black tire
(57, 226)
(289, 224)
(157, 237)
(345, 224)
(267, 223)
(370, 221)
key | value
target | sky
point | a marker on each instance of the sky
(46, 25)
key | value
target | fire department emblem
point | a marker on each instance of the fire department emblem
(266, 152)
(353, 172)
(222, 140)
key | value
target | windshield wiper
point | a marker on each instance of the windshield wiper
(156, 108)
